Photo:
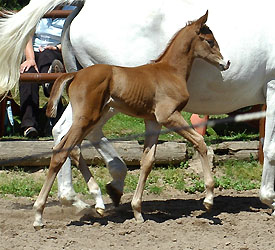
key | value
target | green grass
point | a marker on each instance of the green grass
(123, 126)
(232, 174)
(240, 175)
(20, 183)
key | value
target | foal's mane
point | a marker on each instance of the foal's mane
(204, 30)
(168, 46)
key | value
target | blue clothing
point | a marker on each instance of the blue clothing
(48, 31)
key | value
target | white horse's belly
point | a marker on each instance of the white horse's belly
(215, 92)
(221, 103)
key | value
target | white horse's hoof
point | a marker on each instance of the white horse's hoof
(114, 194)
(81, 206)
(268, 197)
(75, 202)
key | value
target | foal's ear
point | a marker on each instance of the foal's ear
(201, 21)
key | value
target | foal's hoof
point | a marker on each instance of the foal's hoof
(208, 206)
(114, 194)
(100, 211)
(38, 226)
(139, 219)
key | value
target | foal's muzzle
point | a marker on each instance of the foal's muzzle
(224, 66)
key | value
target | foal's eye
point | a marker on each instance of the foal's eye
(211, 43)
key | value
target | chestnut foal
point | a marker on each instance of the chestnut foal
(156, 92)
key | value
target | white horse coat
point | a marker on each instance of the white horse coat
(131, 33)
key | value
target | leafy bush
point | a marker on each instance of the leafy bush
(13, 4)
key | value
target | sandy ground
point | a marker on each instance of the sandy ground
(172, 221)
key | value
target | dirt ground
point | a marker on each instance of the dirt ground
(172, 221)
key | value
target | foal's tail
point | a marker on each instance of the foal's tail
(56, 93)
(16, 30)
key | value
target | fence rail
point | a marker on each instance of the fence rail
(51, 14)
(39, 77)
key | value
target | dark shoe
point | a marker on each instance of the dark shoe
(56, 67)
(47, 87)
(31, 132)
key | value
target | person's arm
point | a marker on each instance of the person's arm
(30, 58)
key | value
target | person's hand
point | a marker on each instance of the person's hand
(50, 47)
(25, 66)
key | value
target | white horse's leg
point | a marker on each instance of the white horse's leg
(66, 193)
(267, 194)
(94, 189)
(115, 164)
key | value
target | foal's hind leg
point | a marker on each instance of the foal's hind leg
(60, 153)
(146, 164)
(59, 156)
(176, 122)
(66, 194)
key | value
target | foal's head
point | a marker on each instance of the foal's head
(194, 40)
(205, 45)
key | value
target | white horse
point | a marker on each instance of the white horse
(131, 33)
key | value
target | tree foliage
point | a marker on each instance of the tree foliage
(13, 4)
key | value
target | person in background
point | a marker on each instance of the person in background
(42, 51)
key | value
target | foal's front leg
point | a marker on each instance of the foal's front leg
(146, 163)
(93, 187)
(176, 122)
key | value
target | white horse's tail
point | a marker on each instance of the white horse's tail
(56, 93)
(15, 31)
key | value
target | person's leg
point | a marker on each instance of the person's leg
(45, 59)
(29, 107)
(44, 63)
